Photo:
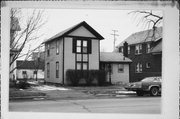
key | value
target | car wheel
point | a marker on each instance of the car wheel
(139, 93)
(154, 91)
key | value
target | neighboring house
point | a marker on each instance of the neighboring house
(145, 50)
(116, 65)
(38, 56)
(15, 27)
(75, 48)
(29, 70)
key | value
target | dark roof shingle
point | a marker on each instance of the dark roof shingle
(69, 30)
(113, 57)
(29, 65)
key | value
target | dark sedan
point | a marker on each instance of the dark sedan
(149, 85)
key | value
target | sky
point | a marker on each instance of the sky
(103, 21)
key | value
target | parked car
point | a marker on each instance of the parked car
(148, 85)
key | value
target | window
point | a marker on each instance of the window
(82, 65)
(138, 68)
(121, 49)
(24, 74)
(128, 49)
(148, 48)
(148, 65)
(138, 49)
(78, 46)
(120, 68)
(35, 72)
(57, 69)
(82, 46)
(57, 47)
(48, 70)
(48, 49)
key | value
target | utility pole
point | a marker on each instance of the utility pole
(114, 34)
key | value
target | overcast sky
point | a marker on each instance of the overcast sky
(103, 21)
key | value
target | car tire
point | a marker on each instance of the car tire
(154, 91)
(139, 93)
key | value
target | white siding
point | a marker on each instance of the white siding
(30, 74)
(94, 56)
(52, 59)
(69, 56)
(120, 76)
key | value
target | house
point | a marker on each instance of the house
(76, 48)
(116, 65)
(29, 70)
(144, 48)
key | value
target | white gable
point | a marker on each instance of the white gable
(82, 31)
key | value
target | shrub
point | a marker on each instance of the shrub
(22, 84)
(74, 76)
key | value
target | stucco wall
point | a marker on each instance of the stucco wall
(52, 59)
(120, 76)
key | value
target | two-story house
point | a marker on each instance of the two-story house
(77, 48)
(144, 48)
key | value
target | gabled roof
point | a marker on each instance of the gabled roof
(71, 29)
(157, 49)
(113, 57)
(29, 65)
(143, 36)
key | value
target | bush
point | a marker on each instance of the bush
(74, 76)
(22, 84)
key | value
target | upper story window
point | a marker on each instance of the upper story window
(57, 47)
(148, 48)
(148, 65)
(138, 68)
(121, 49)
(82, 46)
(128, 49)
(138, 49)
(48, 49)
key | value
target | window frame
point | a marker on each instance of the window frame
(48, 70)
(138, 48)
(57, 69)
(48, 50)
(120, 66)
(57, 47)
(81, 65)
(148, 65)
(138, 68)
(148, 47)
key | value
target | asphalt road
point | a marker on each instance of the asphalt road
(136, 105)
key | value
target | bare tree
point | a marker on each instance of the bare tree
(148, 19)
(21, 36)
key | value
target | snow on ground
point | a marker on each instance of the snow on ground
(47, 88)
(125, 92)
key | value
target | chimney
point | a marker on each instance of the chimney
(125, 49)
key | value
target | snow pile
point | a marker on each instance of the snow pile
(47, 88)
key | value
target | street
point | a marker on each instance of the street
(132, 104)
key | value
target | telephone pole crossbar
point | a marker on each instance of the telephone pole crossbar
(114, 34)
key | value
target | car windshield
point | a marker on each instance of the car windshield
(151, 79)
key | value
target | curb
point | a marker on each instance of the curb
(27, 97)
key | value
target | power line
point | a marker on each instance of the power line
(114, 34)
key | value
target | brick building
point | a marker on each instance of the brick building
(145, 50)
